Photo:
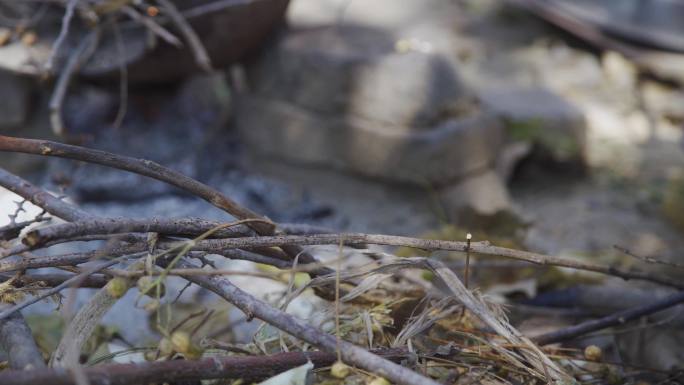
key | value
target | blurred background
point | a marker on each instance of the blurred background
(554, 126)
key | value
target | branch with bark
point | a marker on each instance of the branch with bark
(248, 368)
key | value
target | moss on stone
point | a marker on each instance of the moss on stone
(562, 146)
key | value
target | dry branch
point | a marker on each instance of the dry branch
(41, 198)
(615, 319)
(72, 259)
(187, 227)
(15, 335)
(250, 368)
(124, 238)
(138, 166)
(485, 248)
(155, 171)
(83, 324)
(12, 309)
(69, 259)
(54, 279)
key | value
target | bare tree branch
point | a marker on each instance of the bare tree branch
(69, 259)
(485, 248)
(74, 280)
(155, 171)
(41, 198)
(83, 324)
(615, 319)
(189, 227)
(250, 368)
(54, 279)
(138, 166)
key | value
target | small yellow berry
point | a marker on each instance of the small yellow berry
(402, 46)
(593, 353)
(379, 381)
(165, 347)
(339, 370)
(181, 341)
(117, 287)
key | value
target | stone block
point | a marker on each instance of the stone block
(541, 117)
(355, 71)
(437, 155)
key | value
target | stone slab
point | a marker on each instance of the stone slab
(439, 155)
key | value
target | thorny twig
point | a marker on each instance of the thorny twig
(188, 227)
(41, 198)
(155, 171)
(13, 230)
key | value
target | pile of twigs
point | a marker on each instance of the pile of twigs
(87, 28)
(150, 250)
